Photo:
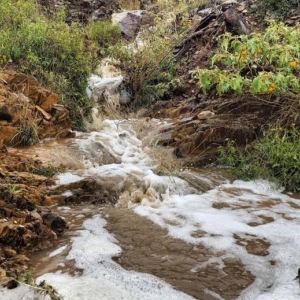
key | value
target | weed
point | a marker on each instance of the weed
(27, 133)
(42, 288)
(104, 33)
(26, 277)
(47, 171)
(275, 156)
(13, 190)
(151, 70)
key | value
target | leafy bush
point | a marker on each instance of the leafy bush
(266, 65)
(259, 63)
(275, 157)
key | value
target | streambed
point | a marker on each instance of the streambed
(165, 236)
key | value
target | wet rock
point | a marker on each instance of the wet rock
(205, 114)
(12, 284)
(23, 229)
(85, 190)
(55, 222)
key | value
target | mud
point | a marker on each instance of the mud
(43, 261)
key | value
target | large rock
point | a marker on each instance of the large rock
(129, 23)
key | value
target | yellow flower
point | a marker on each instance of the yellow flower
(244, 52)
(270, 90)
(293, 64)
(273, 85)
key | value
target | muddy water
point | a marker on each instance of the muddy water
(147, 248)
(207, 237)
(47, 260)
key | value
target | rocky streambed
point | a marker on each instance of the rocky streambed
(136, 232)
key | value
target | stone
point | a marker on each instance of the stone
(5, 115)
(44, 113)
(174, 113)
(49, 101)
(129, 23)
(55, 222)
(205, 114)
(7, 133)
(185, 149)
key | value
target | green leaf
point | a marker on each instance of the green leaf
(255, 86)
(224, 44)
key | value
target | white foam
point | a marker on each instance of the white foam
(57, 251)
(244, 203)
(102, 278)
(170, 202)
(66, 178)
(20, 293)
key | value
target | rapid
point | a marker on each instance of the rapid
(191, 235)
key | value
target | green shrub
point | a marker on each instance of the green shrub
(276, 157)
(265, 63)
(104, 33)
(151, 67)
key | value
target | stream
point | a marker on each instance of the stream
(166, 232)
(191, 235)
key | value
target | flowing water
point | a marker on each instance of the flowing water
(173, 232)
(195, 235)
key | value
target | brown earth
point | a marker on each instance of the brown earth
(28, 113)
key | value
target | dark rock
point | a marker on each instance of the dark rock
(55, 222)
(12, 284)
(130, 26)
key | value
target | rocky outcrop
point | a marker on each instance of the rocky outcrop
(29, 112)
(26, 225)
(201, 124)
